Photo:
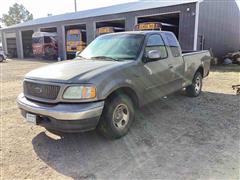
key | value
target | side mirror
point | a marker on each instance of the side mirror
(77, 53)
(154, 55)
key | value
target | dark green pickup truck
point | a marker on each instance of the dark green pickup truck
(113, 76)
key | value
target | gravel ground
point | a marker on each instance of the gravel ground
(174, 138)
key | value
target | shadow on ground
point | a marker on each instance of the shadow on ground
(226, 68)
(173, 138)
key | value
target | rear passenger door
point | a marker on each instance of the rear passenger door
(175, 61)
(158, 77)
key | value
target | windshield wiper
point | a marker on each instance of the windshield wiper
(79, 56)
(126, 58)
(104, 58)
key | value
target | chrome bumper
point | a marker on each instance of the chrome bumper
(62, 111)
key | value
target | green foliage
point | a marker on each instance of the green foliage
(16, 14)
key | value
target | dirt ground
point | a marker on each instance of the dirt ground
(174, 138)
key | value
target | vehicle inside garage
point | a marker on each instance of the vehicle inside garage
(170, 22)
(105, 27)
(45, 43)
(11, 47)
(27, 43)
(76, 39)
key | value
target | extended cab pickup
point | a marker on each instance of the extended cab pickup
(113, 76)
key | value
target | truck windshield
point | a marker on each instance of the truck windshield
(114, 46)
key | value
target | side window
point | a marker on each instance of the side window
(47, 39)
(155, 42)
(173, 44)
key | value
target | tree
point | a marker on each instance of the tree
(16, 14)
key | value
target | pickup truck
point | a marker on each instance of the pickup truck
(112, 77)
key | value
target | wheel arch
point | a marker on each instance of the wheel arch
(201, 70)
(128, 91)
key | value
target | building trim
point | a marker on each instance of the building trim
(20, 43)
(157, 14)
(64, 42)
(4, 40)
(195, 41)
(46, 27)
(10, 35)
(75, 24)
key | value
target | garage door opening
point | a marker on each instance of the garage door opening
(106, 27)
(76, 39)
(27, 43)
(170, 21)
(11, 47)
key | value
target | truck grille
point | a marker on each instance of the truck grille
(43, 91)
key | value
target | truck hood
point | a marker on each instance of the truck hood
(68, 70)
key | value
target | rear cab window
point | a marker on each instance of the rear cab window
(172, 42)
(155, 42)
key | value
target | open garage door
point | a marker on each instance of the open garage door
(27, 43)
(170, 21)
(105, 27)
(76, 39)
(12, 47)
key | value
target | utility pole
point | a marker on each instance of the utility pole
(75, 5)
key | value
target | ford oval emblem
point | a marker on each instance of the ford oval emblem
(38, 90)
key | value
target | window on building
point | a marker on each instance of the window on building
(47, 39)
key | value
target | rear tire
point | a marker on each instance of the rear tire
(117, 117)
(196, 87)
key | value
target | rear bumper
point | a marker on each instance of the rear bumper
(63, 117)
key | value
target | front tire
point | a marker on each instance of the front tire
(117, 117)
(196, 87)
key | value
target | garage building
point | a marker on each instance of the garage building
(199, 24)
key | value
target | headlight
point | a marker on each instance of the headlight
(80, 92)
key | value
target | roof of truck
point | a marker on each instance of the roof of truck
(140, 32)
(115, 9)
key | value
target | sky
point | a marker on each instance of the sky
(40, 8)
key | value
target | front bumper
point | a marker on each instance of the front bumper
(63, 117)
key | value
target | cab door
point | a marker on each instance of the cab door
(158, 75)
(175, 62)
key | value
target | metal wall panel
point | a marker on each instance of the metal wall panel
(219, 23)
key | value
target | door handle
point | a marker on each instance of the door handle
(170, 66)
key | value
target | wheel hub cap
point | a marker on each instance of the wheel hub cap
(121, 116)
(197, 85)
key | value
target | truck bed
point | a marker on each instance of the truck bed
(195, 59)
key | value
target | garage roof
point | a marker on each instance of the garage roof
(115, 9)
